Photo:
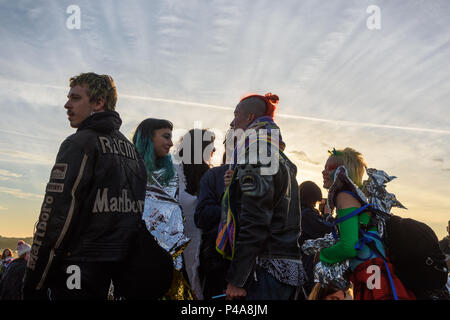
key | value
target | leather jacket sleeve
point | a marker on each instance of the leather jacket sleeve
(256, 210)
(59, 209)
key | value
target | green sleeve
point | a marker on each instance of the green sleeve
(345, 247)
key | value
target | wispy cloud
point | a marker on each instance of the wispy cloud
(292, 116)
(21, 194)
(26, 135)
(8, 173)
(384, 92)
(3, 208)
(23, 157)
(301, 155)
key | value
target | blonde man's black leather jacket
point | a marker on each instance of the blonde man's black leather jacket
(93, 202)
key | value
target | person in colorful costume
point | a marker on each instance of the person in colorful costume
(260, 222)
(162, 214)
(343, 175)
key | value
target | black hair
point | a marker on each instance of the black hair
(309, 193)
(148, 126)
(193, 171)
(142, 139)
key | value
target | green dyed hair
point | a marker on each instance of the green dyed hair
(97, 86)
(142, 139)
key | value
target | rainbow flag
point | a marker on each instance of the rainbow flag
(226, 237)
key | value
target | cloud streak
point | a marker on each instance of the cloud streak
(9, 174)
(293, 116)
(225, 108)
(18, 193)
(23, 157)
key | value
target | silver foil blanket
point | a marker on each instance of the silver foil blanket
(325, 273)
(164, 218)
(335, 274)
(375, 189)
(314, 246)
(342, 182)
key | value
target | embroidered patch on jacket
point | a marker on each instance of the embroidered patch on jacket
(59, 171)
(55, 187)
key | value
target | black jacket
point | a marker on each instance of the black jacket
(93, 202)
(11, 283)
(444, 244)
(207, 218)
(268, 210)
(208, 210)
(313, 227)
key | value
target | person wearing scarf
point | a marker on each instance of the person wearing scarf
(260, 222)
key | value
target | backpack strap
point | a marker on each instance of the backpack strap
(373, 222)
(373, 247)
(348, 216)
(367, 238)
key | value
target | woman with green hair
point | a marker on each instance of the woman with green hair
(162, 214)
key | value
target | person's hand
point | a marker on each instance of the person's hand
(227, 177)
(235, 292)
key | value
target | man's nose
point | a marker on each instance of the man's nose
(66, 105)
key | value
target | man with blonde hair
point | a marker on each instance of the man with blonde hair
(93, 202)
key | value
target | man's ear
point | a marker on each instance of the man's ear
(99, 105)
(251, 117)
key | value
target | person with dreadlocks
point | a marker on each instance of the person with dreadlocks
(260, 222)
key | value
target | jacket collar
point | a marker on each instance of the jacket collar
(104, 122)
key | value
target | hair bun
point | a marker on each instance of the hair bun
(273, 98)
(271, 102)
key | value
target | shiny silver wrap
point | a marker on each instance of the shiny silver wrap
(342, 182)
(313, 246)
(375, 189)
(325, 273)
(376, 194)
(164, 218)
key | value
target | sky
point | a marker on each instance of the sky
(371, 75)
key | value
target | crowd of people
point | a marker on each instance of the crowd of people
(234, 231)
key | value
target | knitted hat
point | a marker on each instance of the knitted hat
(22, 247)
